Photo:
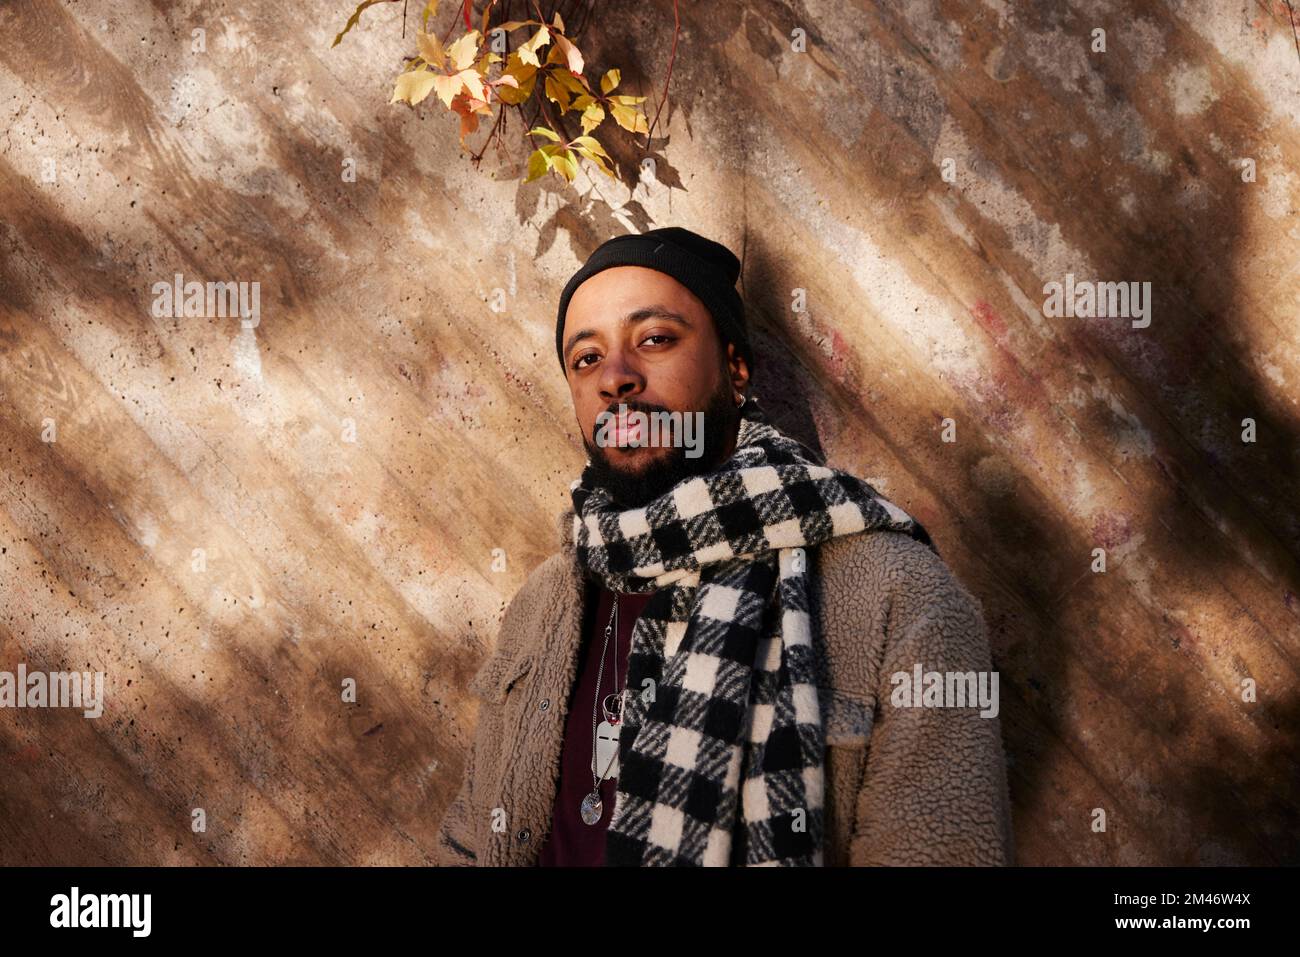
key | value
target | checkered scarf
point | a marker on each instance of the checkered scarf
(721, 716)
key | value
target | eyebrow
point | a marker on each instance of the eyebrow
(635, 316)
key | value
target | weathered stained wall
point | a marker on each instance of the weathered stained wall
(328, 559)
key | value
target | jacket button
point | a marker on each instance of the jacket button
(523, 835)
(545, 704)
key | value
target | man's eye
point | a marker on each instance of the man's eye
(577, 363)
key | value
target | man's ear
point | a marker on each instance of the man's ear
(737, 370)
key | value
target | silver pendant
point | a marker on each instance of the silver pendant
(607, 749)
(591, 808)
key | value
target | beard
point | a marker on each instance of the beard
(633, 485)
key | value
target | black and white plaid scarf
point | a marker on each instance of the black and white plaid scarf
(721, 716)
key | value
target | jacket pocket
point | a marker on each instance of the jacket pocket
(848, 720)
(495, 679)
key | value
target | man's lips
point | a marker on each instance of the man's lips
(626, 433)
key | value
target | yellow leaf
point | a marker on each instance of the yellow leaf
(592, 117)
(566, 164)
(629, 118)
(538, 164)
(557, 22)
(528, 50)
(569, 81)
(609, 80)
(627, 100)
(473, 83)
(543, 131)
(430, 48)
(557, 93)
(516, 24)
(413, 87)
(520, 91)
(592, 144)
(524, 75)
(561, 84)
(516, 67)
(447, 86)
(571, 51)
(463, 51)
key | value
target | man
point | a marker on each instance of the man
(723, 664)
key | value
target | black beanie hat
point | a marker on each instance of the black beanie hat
(706, 268)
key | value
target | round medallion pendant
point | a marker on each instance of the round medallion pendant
(591, 808)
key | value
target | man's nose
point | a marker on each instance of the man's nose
(619, 379)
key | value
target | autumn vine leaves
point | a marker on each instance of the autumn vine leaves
(470, 76)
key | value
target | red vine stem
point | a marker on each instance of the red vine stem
(1294, 35)
(586, 15)
(677, 23)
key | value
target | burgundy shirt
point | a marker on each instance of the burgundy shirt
(571, 842)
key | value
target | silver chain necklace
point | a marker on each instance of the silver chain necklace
(592, 807)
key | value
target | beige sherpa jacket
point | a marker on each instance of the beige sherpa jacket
(904, 785)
